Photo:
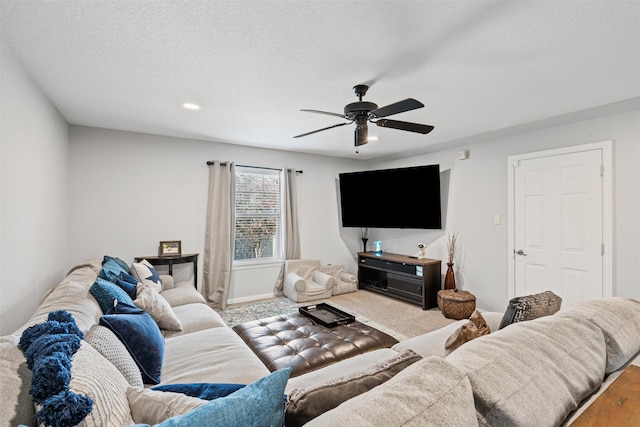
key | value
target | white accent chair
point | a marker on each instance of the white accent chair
(303, 281)
(308, 280)
(345, 282)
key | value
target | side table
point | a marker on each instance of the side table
(618, 405)
(170, 260)
(456, 304)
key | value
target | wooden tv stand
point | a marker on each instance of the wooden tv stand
(399, 276)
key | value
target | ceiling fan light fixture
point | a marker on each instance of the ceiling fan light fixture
(361, 112)
(361, 135)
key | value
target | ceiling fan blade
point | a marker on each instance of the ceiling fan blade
(411, 127)
(320, 130)
(397, 107)
(324, 112)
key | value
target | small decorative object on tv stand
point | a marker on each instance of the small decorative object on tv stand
(422, 249)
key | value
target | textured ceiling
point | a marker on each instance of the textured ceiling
(480, 67)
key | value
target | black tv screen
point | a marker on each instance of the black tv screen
(392, 198)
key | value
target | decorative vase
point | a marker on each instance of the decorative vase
(450, 278)
(364, 244)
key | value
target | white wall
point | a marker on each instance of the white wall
(33, 203)
(73, 193)
(128, 191)
(478, 191)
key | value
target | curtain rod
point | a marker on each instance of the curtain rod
(210, 162)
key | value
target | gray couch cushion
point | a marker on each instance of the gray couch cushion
(15, 380)
(215, 355)
(183, 293)
(195, 317)
(619, 320)
(72, 295)
(430, 392)
(533, 373)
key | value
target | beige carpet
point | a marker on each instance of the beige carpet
(407, 319)
(397, 318)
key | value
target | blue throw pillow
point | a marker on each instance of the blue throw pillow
(128, 283)
(121, 263)
(140, 334)
(256, 405)
(106, 292)
(206, 391)
(111, 269)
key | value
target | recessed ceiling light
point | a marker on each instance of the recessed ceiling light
(190, 106)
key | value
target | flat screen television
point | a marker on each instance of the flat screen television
(392, 198)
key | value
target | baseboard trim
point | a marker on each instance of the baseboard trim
(250, 298)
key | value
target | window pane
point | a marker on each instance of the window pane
(258, 224)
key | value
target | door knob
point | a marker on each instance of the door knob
(520, 252)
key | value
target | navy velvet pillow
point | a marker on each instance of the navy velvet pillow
(106, 292)
(140, 334)
(128, 283)
(206, 391)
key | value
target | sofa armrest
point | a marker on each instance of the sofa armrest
(167, 281)
(323, 279)
(294, 281)
(181, 295)
(348, 277)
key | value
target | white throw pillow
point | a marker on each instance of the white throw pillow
(153, 407)
(153, 303)
(144, 272)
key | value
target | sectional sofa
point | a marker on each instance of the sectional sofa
(540, 372)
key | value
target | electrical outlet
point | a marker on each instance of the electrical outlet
(497, 220)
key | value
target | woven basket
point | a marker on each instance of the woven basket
(456, 304)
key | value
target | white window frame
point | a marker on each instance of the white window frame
(276, 259)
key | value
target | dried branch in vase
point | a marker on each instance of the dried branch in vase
(451, 245)
(364, 233)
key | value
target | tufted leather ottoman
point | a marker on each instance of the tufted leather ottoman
(296, 341)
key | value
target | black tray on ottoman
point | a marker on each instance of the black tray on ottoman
(327, 315)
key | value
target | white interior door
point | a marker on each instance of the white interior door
(558, 222)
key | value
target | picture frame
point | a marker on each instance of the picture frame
(169, 248)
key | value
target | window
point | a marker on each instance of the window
(258, 228)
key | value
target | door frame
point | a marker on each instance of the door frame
(606, 147)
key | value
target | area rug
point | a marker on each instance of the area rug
(243, 313)
(248, 312)
(396, 318)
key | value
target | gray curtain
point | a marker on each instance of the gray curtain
(291, 233)
(218, 242)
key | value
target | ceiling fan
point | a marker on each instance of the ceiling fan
(361, 112)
